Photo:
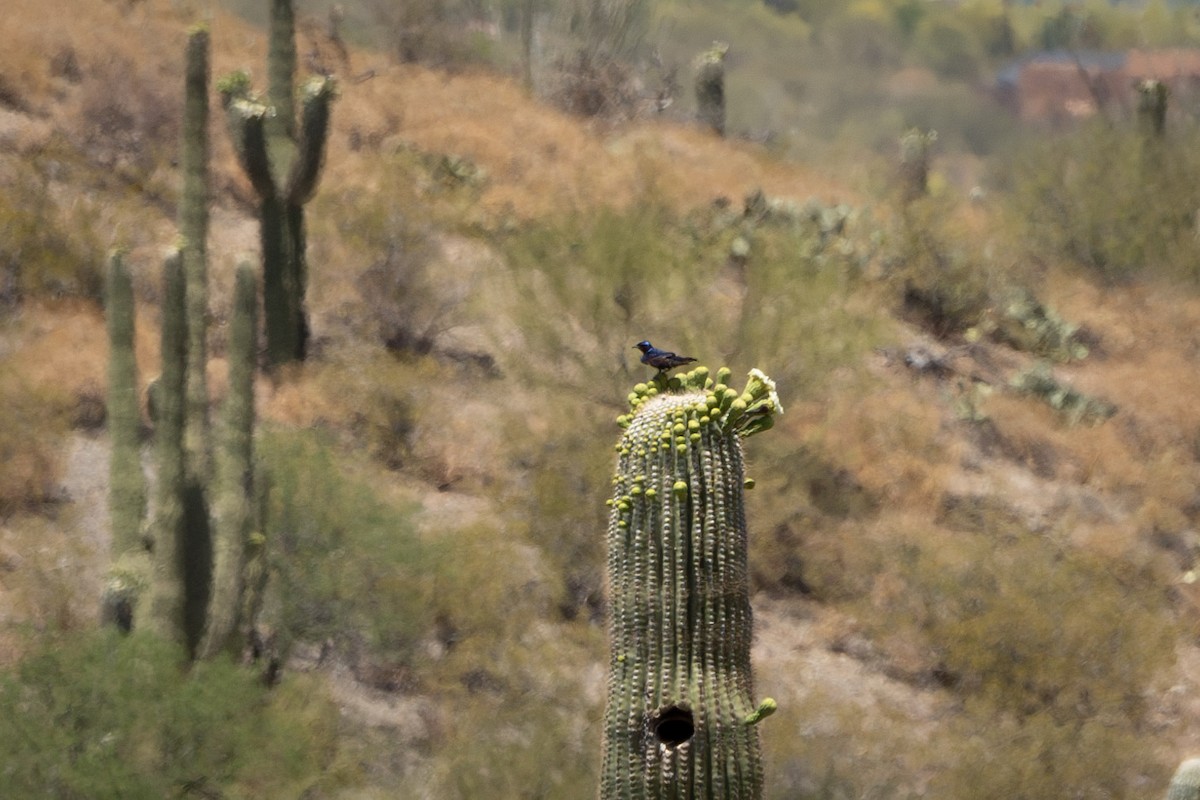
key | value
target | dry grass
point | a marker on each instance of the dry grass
(893, 439)
(540, 161)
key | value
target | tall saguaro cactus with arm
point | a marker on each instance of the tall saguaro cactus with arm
(679, 720)
(282, 157)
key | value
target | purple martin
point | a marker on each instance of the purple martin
(661, 360)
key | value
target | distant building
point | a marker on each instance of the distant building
(1057, 87)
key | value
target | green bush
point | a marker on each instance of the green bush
(346, 563)
(33, 420)
(107, 716)
(944, 279)
(621, 276)
(1108, 199)
(1088, 661)
(949, 46)
(1053, 653)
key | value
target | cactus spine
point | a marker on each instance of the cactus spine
(282, 159)
(679, 720)
(710, 87)
(1185, 785)
(233, 481)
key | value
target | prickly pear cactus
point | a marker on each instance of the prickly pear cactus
(1185, 785)
(680, 716)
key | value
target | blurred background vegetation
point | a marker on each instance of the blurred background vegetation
(973, 538)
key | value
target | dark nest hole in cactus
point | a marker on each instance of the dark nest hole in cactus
(673, 726)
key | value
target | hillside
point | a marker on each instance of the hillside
(961, 588)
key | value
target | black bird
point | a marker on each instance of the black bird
(661, 359)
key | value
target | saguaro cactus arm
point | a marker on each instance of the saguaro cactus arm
(281, 67)
(233, 480)
(246, 120)
(193, 225)
(316, 100)
(680, 712)
(127, 495)
(163, 610)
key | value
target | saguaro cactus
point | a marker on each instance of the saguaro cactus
(1152, 107)
(127, 482)
(282, 158)
(680, 715)
(127, 496)
(710, 87)
(1185, 785)
(233, 480)
(916, 147)
(163, 609)
(193, 226)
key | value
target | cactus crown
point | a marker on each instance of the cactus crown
(680, 715)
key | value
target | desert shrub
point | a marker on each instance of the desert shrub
(134, 130)
(106, 716)
(865, 33)
(613, 278)
(346, 563)
(32, 421)
(393, 246)
(950, 47)
(595, 86)
(802, 284)
(521, 684)
(965, 120)
(944, 280)
(1111, 201)
(1041, 756)
(510, 762)
(1091, 661)
(46, 248)
(621, 276)
(1052, 650)
(432, 32)
(563, 499)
